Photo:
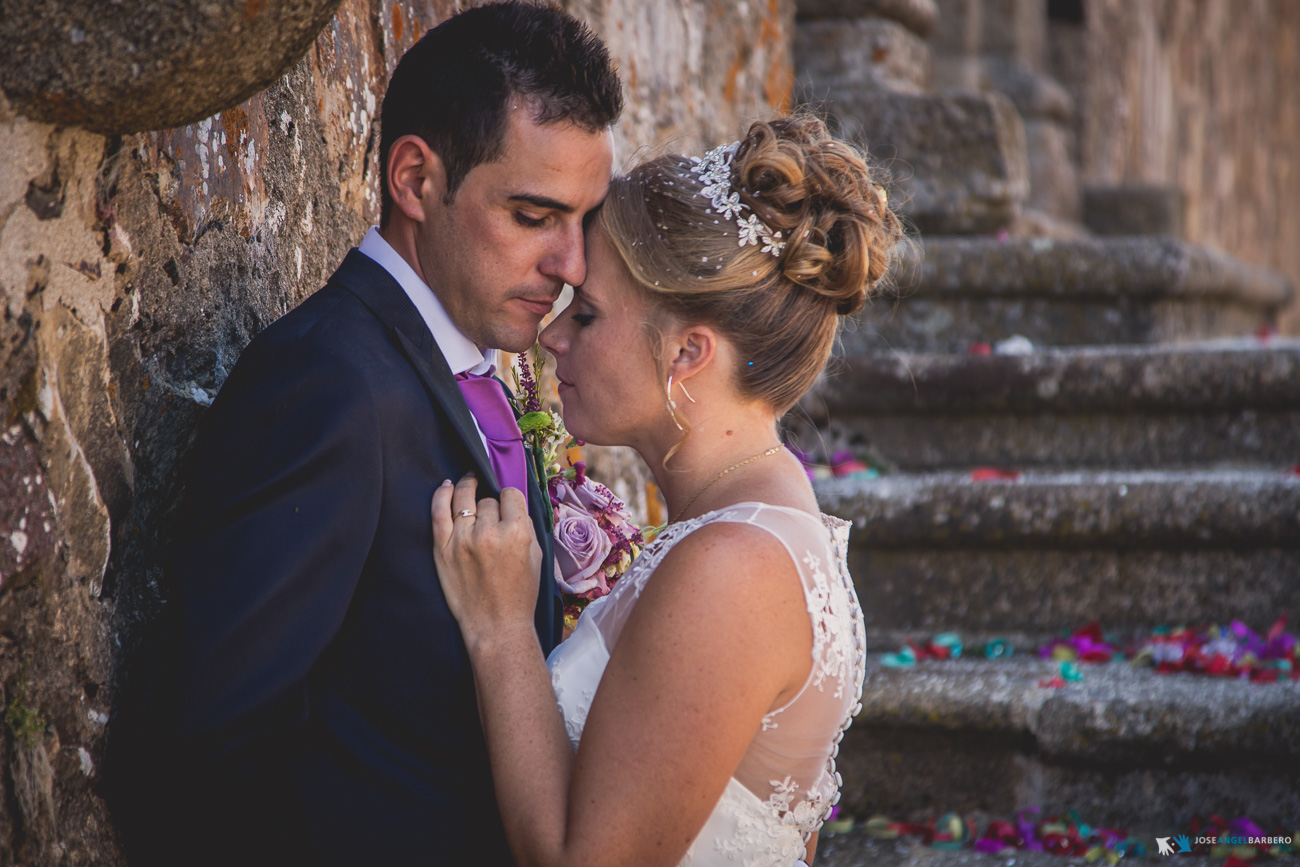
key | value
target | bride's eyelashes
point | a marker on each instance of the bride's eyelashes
(583, 319)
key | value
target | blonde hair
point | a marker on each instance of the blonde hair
(781, 312)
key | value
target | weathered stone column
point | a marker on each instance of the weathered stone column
(956, 159)
(956, 45)
(1013, 37)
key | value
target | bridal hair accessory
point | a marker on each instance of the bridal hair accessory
(714, 169)
(595, 538)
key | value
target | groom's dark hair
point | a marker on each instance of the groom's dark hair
(453, 86)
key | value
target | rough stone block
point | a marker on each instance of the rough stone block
(1136, 209)
(916, 15)
(831, 55)
(134, 65)
(28, 536)
(1034, 95)
(1209, 404)
(954, 291)
(1054, 551)
(957, 160)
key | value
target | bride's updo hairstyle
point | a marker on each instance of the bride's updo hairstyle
(778, 299)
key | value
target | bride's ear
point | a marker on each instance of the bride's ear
(694, 349)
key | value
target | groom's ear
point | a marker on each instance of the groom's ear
(417, 178)
(694, 348)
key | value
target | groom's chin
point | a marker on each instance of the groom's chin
(517, 348)
(518, 339)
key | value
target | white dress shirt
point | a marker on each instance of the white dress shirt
(461, 353)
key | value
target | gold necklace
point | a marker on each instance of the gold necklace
(682, 511)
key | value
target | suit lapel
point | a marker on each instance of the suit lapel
(377, 289)
(548, 618)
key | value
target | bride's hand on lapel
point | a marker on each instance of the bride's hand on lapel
(487, 557)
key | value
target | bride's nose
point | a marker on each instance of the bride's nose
(552, 337)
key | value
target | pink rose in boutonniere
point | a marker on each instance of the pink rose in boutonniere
(576, 493)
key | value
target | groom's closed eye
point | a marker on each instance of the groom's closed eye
(532, 222)
(539, 204)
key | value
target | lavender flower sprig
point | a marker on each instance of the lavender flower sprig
(545, 438)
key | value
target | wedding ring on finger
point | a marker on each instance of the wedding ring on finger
(464, 513)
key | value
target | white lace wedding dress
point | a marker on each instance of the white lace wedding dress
(786, 783)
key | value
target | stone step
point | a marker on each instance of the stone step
(1214, 403)
(1052, 552)
(856, 849)
(1124, 746)
(950, 292)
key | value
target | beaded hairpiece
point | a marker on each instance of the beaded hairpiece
(714, 169)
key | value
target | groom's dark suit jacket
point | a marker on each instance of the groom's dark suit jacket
(325, 709)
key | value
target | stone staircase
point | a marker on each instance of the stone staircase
(1147, 426)
(1146, 484)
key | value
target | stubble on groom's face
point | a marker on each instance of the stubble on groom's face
(500, 253)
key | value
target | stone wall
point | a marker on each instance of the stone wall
(1199, 95)
(133, 269)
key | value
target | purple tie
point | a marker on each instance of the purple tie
(487, 401)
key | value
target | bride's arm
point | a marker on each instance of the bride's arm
(717, 637)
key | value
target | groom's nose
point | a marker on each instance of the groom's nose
(567, 260)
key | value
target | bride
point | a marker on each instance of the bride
(701, 703)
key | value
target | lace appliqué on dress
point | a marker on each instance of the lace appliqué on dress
(832, 617)
(764, 838)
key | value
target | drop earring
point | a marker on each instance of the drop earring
(671, 405)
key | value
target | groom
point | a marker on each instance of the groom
(324, 704)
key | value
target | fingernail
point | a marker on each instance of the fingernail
(446, 483)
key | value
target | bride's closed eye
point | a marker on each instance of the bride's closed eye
(581, 310)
